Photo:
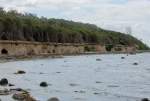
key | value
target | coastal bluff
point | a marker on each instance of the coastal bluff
(26, 48)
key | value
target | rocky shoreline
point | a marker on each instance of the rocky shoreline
(19, 94)
(7, 88)
(7, 58)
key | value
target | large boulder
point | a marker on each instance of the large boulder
(3, 82)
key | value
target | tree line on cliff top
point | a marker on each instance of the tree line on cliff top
(28, 27)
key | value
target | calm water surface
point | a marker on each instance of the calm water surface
(82, 78)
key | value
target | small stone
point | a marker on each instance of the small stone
(96, 93)
(43, 84)
(73, 84)
(122, 57)
(19, 90)
(145, 99)
(98, 60)
(11, 84)
(53, 99)
(98, 82)
(135, 63)
(3, 82)
(20, 72)
(41, 73)
(76, 91)
(58, 72)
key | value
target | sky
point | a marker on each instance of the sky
(128, 16)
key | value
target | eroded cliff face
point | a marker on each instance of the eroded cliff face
(24, 48)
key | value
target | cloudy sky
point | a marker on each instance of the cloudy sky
(119, 15)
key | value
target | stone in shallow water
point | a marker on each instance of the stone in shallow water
(3, 82)
(98, 60)
(98, 82)
(10, 85)
(96, 93)
(73, 84)
(20, 72)
(145, 99)
(43, 84)
(53, 99)
(135, 63)
(122, 57)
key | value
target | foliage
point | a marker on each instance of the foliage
(28, 27)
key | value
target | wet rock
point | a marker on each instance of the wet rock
(53, 99)
(122, 57)
(98, 82)
(41, 73)
(58, 72)
(43, 84)
(4, 92)
(81, 91)
(73, 84)
(19, 90)
(20, 72)
(76, 91)
(22, 97)
(135, 63)
(112, 86)
(96, 93)
(145, 99)
(98, 60)
(10, 85)
(3, 82)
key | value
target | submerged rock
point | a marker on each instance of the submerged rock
(43, 84)
(20, 72)
(98, 60)
(73, 84)
(135, 63)
(53, 99)
(58, 72)
(3, 82)
(98, 82)
(11, 84)
(96, 93)
(145, 99)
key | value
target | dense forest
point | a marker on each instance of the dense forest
(28, 27)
